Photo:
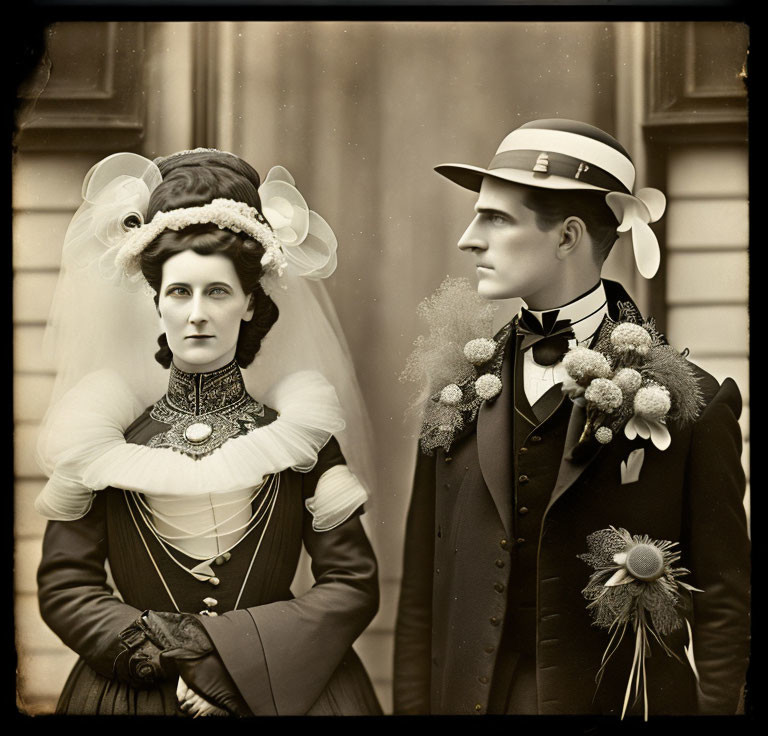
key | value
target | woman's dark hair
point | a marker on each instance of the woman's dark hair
(192, 180)
(553, 206)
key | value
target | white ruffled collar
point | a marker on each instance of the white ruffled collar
(84, 449)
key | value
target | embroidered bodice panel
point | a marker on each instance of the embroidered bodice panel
(204, 410)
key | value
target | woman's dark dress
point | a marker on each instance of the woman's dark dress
(288, 656)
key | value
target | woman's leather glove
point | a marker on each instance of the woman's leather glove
(160, 644)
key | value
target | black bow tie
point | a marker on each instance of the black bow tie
(548, 338)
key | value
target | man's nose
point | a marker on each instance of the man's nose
(473, 238)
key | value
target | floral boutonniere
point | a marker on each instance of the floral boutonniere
(636, 586)
(458, 362)
(631, 379)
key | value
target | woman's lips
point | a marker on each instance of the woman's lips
(197, 337)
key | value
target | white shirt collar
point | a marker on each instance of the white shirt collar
(585, 312)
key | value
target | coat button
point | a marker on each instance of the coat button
(483, 679)
(498, 587)
(520, 540)
(499, 563)
(523, 478)
(536, 438)
(523, 450)
(523, 510)
(478, 707)
(503, 544)
(448, 458)
(494, 621)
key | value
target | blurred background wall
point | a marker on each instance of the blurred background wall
(360, 113)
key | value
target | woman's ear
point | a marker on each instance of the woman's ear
(250, 309)
(573, 233)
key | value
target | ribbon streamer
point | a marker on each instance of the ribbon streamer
(634, 213)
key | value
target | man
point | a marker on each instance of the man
(493, 616)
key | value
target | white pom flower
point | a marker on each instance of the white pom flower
(603, 435)
(604, 394)
(581, 363)
(450, 395)
(480, 350)
(628, 380)
(652, 402)
(572, 389)
(487, 386)
(629, 337)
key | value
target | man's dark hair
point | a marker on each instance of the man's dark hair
(553, 206)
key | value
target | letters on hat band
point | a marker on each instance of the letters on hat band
(573, 145)
(557, 164)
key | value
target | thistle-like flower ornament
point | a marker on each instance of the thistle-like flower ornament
(635, 587)
(457, 363)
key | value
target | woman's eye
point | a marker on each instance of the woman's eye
(177, 291)
(218, 291)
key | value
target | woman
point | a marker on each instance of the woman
(200, 502)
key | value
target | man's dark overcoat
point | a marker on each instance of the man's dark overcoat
(497, 509)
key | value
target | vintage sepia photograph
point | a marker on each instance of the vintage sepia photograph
(393, 367)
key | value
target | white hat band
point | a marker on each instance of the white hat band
(575, 145)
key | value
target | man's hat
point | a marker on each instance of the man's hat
(567, 155)
(553, 154)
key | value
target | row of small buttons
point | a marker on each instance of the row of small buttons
(212, 602)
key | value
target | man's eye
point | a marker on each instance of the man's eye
(498, 219)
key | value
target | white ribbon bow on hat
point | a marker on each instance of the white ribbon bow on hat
(634, 212)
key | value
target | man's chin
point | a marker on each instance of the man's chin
(492, 291)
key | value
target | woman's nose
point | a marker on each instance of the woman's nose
(472, 238)
(197, 313)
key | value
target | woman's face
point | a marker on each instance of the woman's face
(201, 304)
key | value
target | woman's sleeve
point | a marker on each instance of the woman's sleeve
(75, 600)
(719, 556)
(294, 646)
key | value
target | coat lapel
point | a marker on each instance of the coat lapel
(570, 469)
(619, 305)
(494, 439)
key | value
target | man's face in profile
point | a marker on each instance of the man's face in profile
(514, 258)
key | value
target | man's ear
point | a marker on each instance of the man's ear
(572, 233)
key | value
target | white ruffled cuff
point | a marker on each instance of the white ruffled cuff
(337, 496)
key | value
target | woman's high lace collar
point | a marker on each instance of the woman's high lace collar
(202, 393)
